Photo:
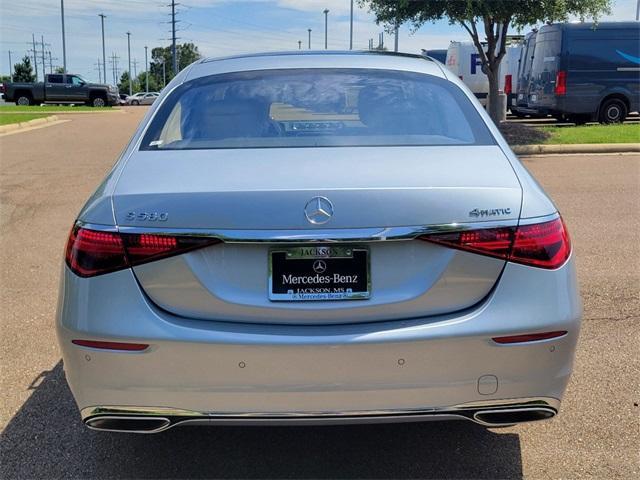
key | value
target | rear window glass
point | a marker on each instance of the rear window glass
(547, 52)
(315, 108)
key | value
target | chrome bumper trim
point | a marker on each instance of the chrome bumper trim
(176, 416)
(376, 234)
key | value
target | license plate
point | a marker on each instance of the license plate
(319, 273)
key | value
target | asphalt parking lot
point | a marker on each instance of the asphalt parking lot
(46, 174)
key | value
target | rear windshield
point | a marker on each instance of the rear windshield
(315, 108)
(547, 53)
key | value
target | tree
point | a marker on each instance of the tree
(59, 70)
(187, 54)
(23, 72)
(142, 82)
(494, 16)
(123, 84)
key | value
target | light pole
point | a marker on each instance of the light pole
(35, 55)
(638, 11)
(395, 46)
(351, 28)
(104, 56)
(299, 45)
(10, 68)
(309, 30)
(173, 38)
(146, 68)
(129, 55)
(64, 45)
(326, 19)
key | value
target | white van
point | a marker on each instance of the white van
(464, 61)
(509, 74)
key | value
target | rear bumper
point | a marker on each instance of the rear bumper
(431, 368)
(153, 420)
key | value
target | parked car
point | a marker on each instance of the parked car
(142, 98)
(464, 61)
(59, 88)
(527, 53)
(438, 54)
(586, 72)
(255, 257)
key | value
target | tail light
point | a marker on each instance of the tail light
(508, 84)
(561, 83)
(90, 252)
(543, 245)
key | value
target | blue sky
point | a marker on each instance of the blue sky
(218, 27)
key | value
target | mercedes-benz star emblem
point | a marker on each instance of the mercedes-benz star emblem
(319, 266)
(318, 210)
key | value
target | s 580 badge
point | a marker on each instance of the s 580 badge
(148, 216)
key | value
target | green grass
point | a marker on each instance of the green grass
(626, 133)
(50, 108)
(9, 118)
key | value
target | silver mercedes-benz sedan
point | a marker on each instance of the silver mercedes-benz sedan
(317, 238)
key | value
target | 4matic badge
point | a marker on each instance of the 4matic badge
(492, 212)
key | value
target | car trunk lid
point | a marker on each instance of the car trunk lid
(255, 199)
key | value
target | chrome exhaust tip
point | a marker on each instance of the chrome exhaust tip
(112, 423)
(512, 416)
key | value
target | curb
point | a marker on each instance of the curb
(70, 112)
(576, 148)
(12, 127)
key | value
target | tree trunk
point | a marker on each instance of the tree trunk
(493, 101)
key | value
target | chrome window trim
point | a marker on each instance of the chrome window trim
(377, 234)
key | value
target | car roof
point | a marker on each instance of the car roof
(591, 26)
(315, 59)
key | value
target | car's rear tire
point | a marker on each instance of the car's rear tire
(24, 100)
(98, 102)
(135, 102)
(613, 110)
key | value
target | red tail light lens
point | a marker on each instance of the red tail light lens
(494, 242)
(561, 83)
(91, 252)
(544, 245)
(508, 84)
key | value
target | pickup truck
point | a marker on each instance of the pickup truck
(61, 88)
